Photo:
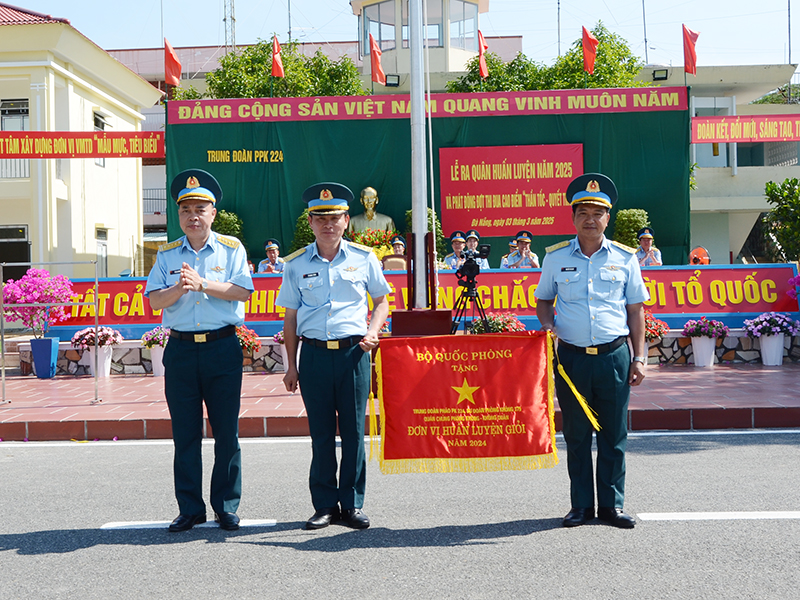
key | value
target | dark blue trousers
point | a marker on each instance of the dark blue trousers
(335, 388)
(603, 381)
(210, 372)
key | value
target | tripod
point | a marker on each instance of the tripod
(471, 293)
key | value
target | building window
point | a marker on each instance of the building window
(14, 117)
(433, 37)
(463, 25)
(100, 124)
(102, 251)
(378, 19)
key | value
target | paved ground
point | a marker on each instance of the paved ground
(676, 397)
(455, 536)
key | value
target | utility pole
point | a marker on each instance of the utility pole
(644, 25)
(290, 20)
(230, 27)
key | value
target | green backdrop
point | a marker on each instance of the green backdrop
(645, 153)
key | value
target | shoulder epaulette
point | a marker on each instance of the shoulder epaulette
(361, 247)
(294, 255)
(231, 242)
(557, 246)
(170, 246)
(627, 249)
(280, 260)
(449, 255)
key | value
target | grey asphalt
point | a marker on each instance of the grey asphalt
(477, 535)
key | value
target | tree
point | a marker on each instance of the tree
(228, 223)
(627, 224)
(441, 241)
(783, 221)
(615, 66)
(303, 235)
(247, 74)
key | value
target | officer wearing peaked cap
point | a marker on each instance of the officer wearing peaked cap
(201, 282)
(473, 238)
(325, 289)
(600, 295)
(647, 254)
(522, 257)
(398, 245)
(458, 241)
(512, 246)
(273, 263)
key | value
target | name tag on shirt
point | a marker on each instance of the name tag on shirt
(568, 269)
(307, 275)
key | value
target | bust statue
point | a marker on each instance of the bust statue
(370, 219)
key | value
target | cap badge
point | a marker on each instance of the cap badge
(325, 195)
(593, 186)
(192, 183)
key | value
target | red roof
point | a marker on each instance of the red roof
(12, 15)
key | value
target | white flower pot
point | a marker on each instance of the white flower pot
(157, 360)
(284, 357)
(703, 349)
(103, 360)
(772, 350)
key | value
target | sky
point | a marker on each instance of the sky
(735, 32)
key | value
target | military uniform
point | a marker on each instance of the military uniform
(330, 298)
(277, 267)
(527, 262)
(203, 362)
(592, 294)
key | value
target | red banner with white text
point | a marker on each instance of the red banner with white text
(466, 403)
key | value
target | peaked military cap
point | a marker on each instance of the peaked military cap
(592, 188)
(473, 233)
(645, 232)
(272, 243)
(398, 239)
(195, 184)
(327, 198)
(524, 236)
(458, 236)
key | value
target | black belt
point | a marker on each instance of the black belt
(334, 344)
(201, 337)
(601, 349)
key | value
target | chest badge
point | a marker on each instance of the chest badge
(217, 269)
(351, 269)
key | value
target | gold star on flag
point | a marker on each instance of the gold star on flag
(465, 391)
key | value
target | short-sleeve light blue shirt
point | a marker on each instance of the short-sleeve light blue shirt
(640, 254)
(508, 261)
(278, 266)
(330, 297)
(221, 259)
(451, 260)
(591, 292)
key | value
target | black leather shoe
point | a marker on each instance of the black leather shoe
(227, 520)
(186, 522)
(615, 517)
(355, 518)
(578, 516)
(323, 517)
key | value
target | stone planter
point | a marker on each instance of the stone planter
(703, 350)
(772, 350)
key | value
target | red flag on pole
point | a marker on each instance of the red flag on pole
(482, 48)
(172, 66)
(590, 44)
(378, 76)
(689, 52)
(277, 62)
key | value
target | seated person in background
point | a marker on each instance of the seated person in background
(458, 241)
(397, 260)
(473, 237)
(273, 263)
(522, 257)
(647, 254)
(512, 245)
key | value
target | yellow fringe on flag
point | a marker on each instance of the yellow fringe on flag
(551, 393)
(590, 413)
(373, 418)
(468, 465)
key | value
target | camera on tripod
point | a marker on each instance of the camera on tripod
(466, 274)
(470, 269)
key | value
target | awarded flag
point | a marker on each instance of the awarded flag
(466, 403)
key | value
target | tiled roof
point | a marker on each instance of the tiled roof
(12, 15)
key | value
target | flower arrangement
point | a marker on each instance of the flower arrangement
(106, 336)
(704, 327)
(771, 323)
(278, 338)
(156, 337)
(794, 282)
(37, 286)
(248, 339)
(498, 323)
(653, 328)
(374, 238)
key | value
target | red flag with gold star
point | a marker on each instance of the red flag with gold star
(466, 403)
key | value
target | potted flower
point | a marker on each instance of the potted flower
(653, 328)
(792, 291)
(39, 291)
(499, 322)
(279, 339)
(704, 333)
(104, 339)
(770, 328)
(248, 340)
(156, 340)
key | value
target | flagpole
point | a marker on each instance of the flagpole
(419, 190)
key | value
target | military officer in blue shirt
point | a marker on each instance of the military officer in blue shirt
(600, 294)
(647, 254)
(201, 282)
(473, 237)
(512, 246)
(458, 241)
(273, 263)
(325, 289)
(522, 257)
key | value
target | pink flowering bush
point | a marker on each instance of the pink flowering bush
(498, 323)
(704, 327)
(771, 323)
(37, 286)
(794, 282)
(278, 337)
(106, 336)
(156, 337)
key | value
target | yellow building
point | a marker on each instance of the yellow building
(52, 78)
